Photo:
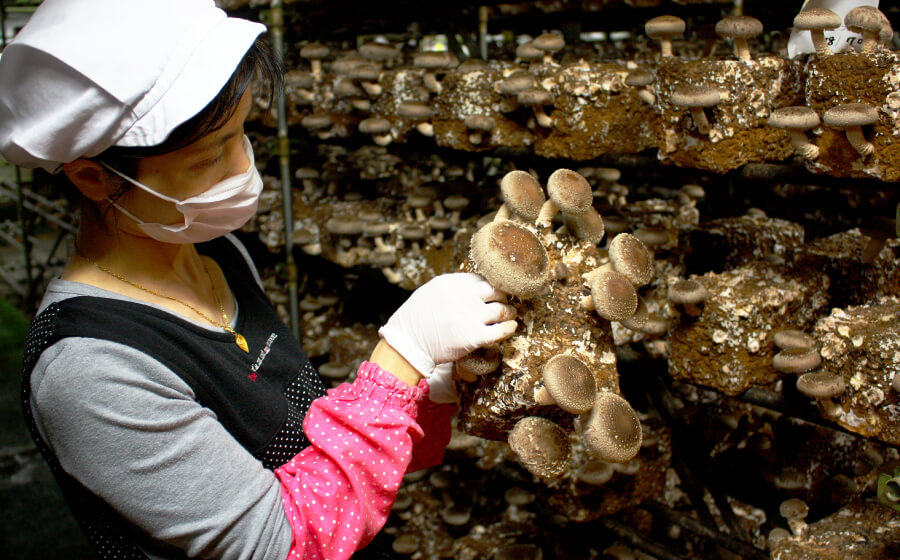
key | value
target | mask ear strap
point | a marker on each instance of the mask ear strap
(126, 212)
(139, 185)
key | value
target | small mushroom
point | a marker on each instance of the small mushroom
(822, 386)
(641, 78)
(548, 44)
(434, 62)
(541, 446)
(775, 536)
(792, 338)
(368, 75)
(867, 21)
(528, 53)
(378, 128)
(456, 203)
(518, 496)
(611, 430)
(520, 551)
(852, 117)
(817, 21)
(638, 321)
(511, 258)
(481, 361)
(537, 98)
(665, 28)
(796, 360)
(690, 295)
(586, 227)
(315, 52)
(379, 52)
(596, 473)
(511, 86)
(522, 195)
(612, 295)
(614, 225)
(629, 255)
(345, 88)
(419, 113)
(895, 383)
(440, 225)
(567, 383)
(739, 29)
(697, 98)
(405, 544)
(795, 511)
(472, 65)
(478, 126)
(796, 120)
(570, 192)
(456, 514)
(319, 123)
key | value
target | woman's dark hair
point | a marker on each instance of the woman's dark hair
(259, 63)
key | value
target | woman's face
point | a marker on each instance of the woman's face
(187, 172)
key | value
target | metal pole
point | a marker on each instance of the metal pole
(482, 31)
(276, 25)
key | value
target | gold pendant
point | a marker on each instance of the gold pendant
(241, 342)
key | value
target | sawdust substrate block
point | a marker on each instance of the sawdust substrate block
(729, 346)
(859, 531)
(732, 242)
(862, 345)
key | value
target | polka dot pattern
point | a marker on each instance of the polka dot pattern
(300, 394)
(100, 524)
(338, 492)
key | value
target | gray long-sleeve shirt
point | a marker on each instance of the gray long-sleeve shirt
(131, 430)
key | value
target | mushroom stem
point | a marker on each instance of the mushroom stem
(383, 139)
(373, 89)
(870, 39)
(665, 48)
(437, 239)
(542, 118)
(802, 145)
(741, 48)
(432, 83)
(832, 408)
(425, 129)
(503, 213)
(587, 303)
(819, 42)
(542, 396)
(700, 120)
(316, 68)
(858, 140)
(476, 137)
(798, 526)
(547, 213)
(646, 96)
(381, 245)
(392, 275)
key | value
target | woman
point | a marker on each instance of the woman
(178, 413)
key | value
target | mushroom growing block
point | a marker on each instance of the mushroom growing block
(738, 132)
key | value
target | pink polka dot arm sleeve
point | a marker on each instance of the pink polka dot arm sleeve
(337, 493)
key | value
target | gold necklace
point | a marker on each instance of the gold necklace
(238, 338)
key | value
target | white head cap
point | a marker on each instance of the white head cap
(86, 75)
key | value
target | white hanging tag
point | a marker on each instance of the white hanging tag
(840, 39)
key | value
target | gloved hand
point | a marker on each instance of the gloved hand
(445, 319)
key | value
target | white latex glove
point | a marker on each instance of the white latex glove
(441, 386)
(445, 319)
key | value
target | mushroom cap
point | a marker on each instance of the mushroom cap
(299, 79)
(793, 508)
(637, 321)
(817, 18)
(306, 173)
(346, 88)
(472, 65)
(615, 225)
(344, 226)
(381, 258)
(693, 190)
(629, 256)
(596, 473)
(864, 18)
(613, 295)
(696, 96)
(652, 236)
(798, 117)
(607, 173)
(792, 338)
(480, 122)
(527, 51)
(586, 227)
(821, 384)
(434, 60)
(796, 360)
(519, 80)
(456, 202)
(519, 551)
(535, 96)
(316, 121)
(570, 191)
(541, 446)
(347, 63)
(664, 26)
(522, 193)
(481, 361)
(412, 232)
(639, 77)
(456, 514)
(414, 110)
(549, 42)
(850, 114)
(570, 382)
(374, 125)
(742, 27)
(406, 543)
(518, 496)
(612, 430)
(511, 258)
(440, 223)
(688, 291)
(368, 72)
(315, 51)
(380, 52)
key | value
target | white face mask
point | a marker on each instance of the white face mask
(224, 207)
